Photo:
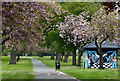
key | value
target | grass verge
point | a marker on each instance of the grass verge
(78, 73)
(21, 70)
(92, 73)
(51, 63)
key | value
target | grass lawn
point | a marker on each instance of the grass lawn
(21, 70)
(78, 73)
(51, 63)
(92, 73)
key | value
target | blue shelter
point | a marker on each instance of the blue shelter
(110, 55)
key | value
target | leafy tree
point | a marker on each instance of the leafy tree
(77, 32)
(104, 27)
(77, 8)
(55, 42)
(24, 23)
(5, 52)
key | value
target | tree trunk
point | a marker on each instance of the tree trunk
(52, 56)
(30, 54)
(58, 57)
(79, 58)
(101, 58)
(99, 52)
(65, 57)
(18, 57)
(74, 57)
(12, 58)
(99, 48)
(63, 53)
(41, 55)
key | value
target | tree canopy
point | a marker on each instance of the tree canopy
(53, 26)
(24, 23)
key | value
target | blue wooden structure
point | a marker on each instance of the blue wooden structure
(110, 55)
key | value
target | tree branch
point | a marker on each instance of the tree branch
(96, 42)
(3, 42)
(107, 36)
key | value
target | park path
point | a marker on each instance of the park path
(43, 72)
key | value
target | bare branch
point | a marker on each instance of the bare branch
(96, 42)
(107, 36)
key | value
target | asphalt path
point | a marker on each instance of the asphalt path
(43, 72)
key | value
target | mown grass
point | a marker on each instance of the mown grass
(92, 73)
(51, 63)
(21, 70)
(75, 71)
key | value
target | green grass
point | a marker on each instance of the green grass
(92, 73)
(78, 73)
(51, 63)
(21, 70)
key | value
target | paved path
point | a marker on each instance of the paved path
(44, 72)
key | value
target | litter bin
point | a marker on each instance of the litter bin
(57, 64)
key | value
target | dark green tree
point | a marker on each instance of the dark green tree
(55, 42)
(77, 8)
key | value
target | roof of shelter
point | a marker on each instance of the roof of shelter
(105, 44)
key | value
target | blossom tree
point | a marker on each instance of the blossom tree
(24, 24)
(104, 27)
(77, 32)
